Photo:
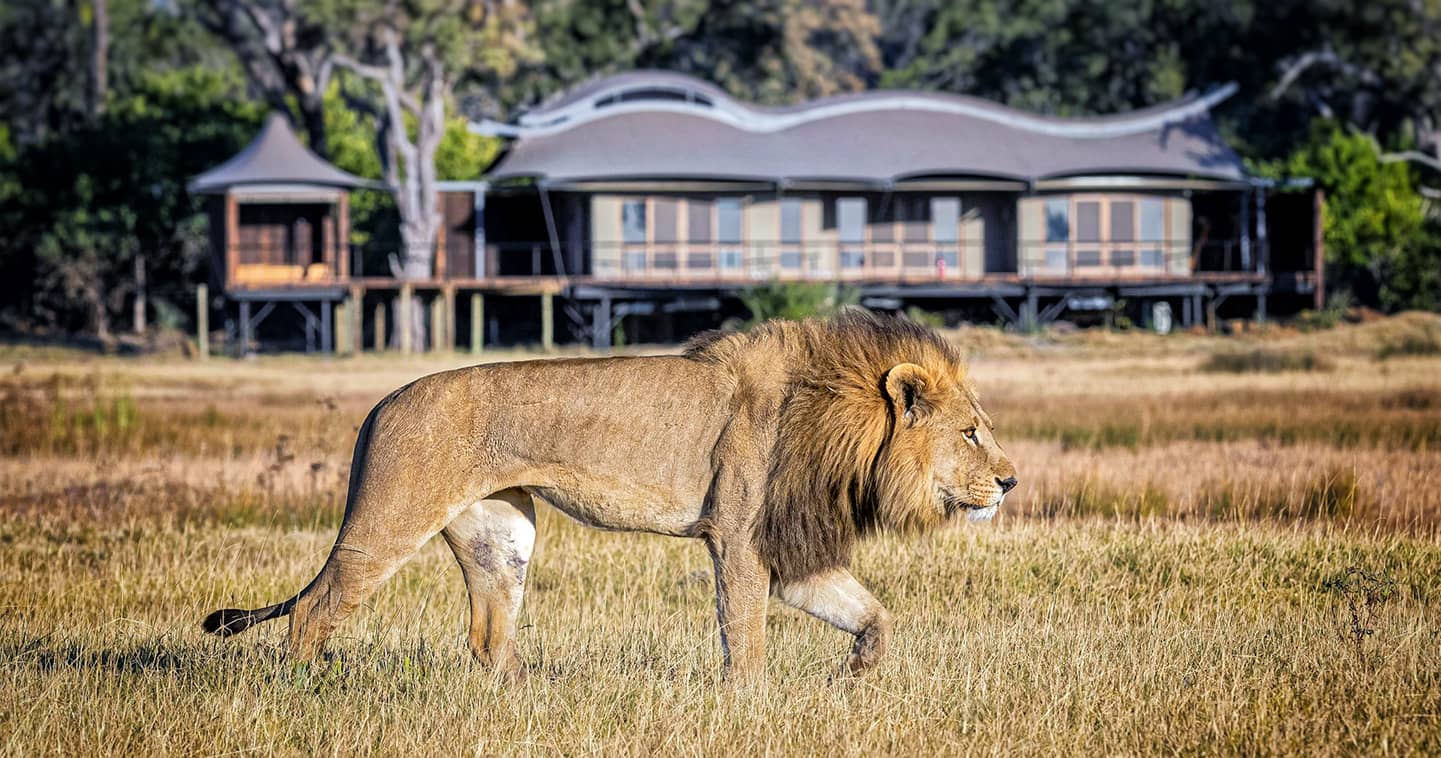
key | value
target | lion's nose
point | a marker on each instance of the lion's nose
(1007, 484)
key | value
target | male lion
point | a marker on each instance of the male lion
(778, 447)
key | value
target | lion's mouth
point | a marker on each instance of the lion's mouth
(954, 503)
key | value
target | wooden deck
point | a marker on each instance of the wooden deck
(542, 285)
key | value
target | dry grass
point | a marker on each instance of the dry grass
(1181, 571)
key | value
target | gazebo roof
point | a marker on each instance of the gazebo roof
(275, 157)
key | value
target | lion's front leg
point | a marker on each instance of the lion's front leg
(836, 598)
(742, 582)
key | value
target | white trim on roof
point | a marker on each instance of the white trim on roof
(743, 117)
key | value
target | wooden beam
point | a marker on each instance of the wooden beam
(342, 239)
(232, 239)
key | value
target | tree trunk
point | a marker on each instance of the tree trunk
(410, 164)
(312, 116)
(417, 265)
(99, 317)
(99, 55)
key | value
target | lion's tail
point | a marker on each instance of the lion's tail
(229, 621)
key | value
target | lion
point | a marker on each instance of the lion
(779, 448)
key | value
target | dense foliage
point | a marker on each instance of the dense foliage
(95, 149)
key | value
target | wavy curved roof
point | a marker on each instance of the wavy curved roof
(657, 125)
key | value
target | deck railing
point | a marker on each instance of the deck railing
(875, 260)
(759, 261)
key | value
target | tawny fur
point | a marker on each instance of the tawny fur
(779, 447)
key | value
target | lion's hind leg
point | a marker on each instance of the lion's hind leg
(357, 566)
(836, 598)
(492, 540)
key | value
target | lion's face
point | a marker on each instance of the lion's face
(972, 472)
(940, 420)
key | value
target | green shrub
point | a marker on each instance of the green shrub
(796, 300)
(925, 318)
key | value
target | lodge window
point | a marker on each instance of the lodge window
(666, 213)
(791, 257)
(632, 222)
(1093, 230)
(851, 223)
(698, 232)
(729, 228)
(1153, 231)
(633, 232)
(945, 230)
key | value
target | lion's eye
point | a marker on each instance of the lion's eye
(972, 437)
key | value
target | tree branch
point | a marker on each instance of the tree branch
(1324, 57)
(1413, 156)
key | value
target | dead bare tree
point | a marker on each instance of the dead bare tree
(409, 162)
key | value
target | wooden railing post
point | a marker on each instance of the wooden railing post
(547, 321)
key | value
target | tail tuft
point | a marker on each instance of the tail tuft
(228, 621)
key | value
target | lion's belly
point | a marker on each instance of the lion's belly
(625, 506)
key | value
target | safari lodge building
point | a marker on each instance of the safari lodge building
(651, 198)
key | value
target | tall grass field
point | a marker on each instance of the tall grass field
(1218, 546)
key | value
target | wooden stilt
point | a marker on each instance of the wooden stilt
(437, 323)
(356, 313)
(202, 320)
(547, 321)
(447, 296)
(342, 327)
(244, 328)
(406, 320)
(327, 335)
(477, 323)
(379, 336)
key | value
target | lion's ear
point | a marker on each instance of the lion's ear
(910, 390)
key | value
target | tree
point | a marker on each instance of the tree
(415, 52)
(1377, 243)
(81, 206)
(779, 51)
(286, 50)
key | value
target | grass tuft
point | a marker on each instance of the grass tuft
(1266, 360)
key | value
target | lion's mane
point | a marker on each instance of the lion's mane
(835, 471)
